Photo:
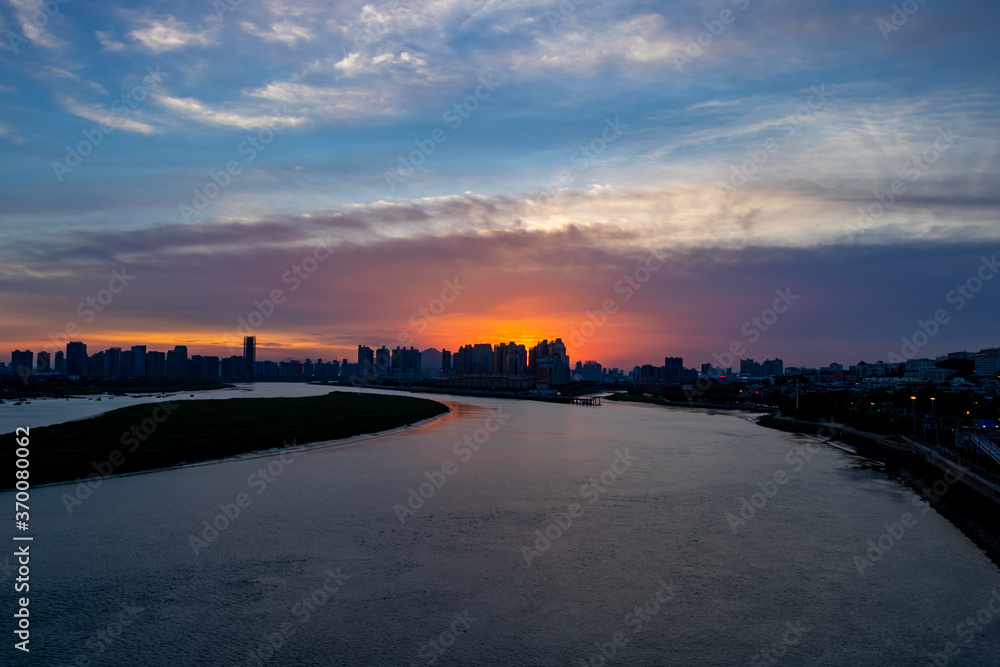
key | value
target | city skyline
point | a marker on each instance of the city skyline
(366, 356)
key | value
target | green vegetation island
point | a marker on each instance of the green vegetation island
(153, 436)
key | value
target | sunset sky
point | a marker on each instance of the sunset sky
(357, 156)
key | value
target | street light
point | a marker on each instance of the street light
(913, 413)
(934, 422)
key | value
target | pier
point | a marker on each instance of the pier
(586, 400)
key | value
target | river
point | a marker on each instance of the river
(506, 533)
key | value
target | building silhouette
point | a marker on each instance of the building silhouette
(76, 359)
(249, 357)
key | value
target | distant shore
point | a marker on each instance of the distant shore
(485, 393)
(14, 390)
(654, 400)
(155, 436)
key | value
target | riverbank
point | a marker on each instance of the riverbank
(13, 389)
(161, 435)
(966, 507)
(452, 391)
(654, 400)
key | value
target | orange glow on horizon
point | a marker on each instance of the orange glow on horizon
(610, 344)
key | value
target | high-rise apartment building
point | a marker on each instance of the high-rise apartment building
(249, 356)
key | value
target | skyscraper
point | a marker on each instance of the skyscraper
(156, 364)
(21, 363)
(139, 360)
(76, 359)
(249, 356)
(383, 362)
(112, 362)
(673, 370)
(177, 360)
(366, 361)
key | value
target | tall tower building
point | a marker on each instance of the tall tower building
(366, 361)
(76, 359)
(249, 356)
(139, 360)
(177, 360)
(22, 362)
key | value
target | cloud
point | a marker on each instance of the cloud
(35, 18)
(209, 115)
(168, 34)
(331, 102)
(518, 283)
(9, 135)
(285, 32)
(116, 119)
(107, 42)
(73, 76)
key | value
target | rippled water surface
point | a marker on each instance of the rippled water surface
(318, 568)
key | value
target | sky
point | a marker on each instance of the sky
(641, 179)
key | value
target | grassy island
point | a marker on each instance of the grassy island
(160, 435)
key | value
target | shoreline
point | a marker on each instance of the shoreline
(476, 393)
(652, 400)
(165, 435)
(256, 454)
(967, 508)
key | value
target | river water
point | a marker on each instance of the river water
(545, 535)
